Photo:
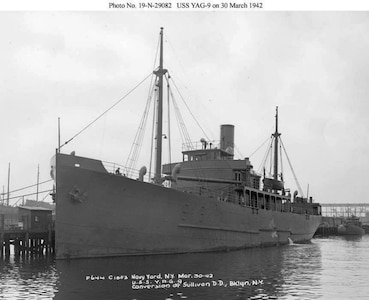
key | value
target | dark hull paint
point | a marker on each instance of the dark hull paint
(100, 214)
(350, 230)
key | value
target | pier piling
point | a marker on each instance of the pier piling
(26, 243)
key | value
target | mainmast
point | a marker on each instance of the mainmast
(276, 137)
(160, 72)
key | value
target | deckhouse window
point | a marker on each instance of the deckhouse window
(237, 176)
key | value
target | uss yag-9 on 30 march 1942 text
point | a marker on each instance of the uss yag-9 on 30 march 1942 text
(184, 5)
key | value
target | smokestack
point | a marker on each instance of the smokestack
(227, 138)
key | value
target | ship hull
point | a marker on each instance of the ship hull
(101, 214)
(350, 230)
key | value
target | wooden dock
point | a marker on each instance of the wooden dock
(329, 226)
(29, 229)
(326, 231)
(27, 242)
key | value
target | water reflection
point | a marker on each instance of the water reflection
(302, 267)
(266, 273)
(345, 268)
(327, 268)
(27, 277)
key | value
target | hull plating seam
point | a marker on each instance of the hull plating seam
(272, 230)
(218, 228)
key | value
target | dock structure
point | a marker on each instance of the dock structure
(27, 242)
(344, 209)
(30, 233)
(334, 215)
(329, 226)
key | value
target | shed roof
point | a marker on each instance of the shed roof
(35, 208)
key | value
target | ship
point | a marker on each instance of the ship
(209, 201)
(351, 226)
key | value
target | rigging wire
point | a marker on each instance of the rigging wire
(151, 92)
(178, 78)
(152, 138)
(40, 192)
(266, 154)
(45, 196)
(183, 129)
(271, 156)
(262, 145)
(281, 160)
(137, 143)
(186, 140)
(197, 122)
(293, 172)
(33, 185)
(238, 152)
(111, 107)
(178, 119)
(176, 56)
(169, 136)
(263, 162)
(187, 137)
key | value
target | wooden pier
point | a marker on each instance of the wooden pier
(27, 242)
(329, 226)
(29, 230)
(326, 231)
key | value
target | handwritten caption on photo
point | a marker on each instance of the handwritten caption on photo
(170, 280)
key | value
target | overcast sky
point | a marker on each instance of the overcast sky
(232, 68)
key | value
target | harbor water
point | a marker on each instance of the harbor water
(327, 268)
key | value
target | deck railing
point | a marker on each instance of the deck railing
(118, 169)
(200, 145)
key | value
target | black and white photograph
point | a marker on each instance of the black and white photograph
(184, 150)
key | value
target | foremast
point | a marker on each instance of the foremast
(160, 72)
(276, 135)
